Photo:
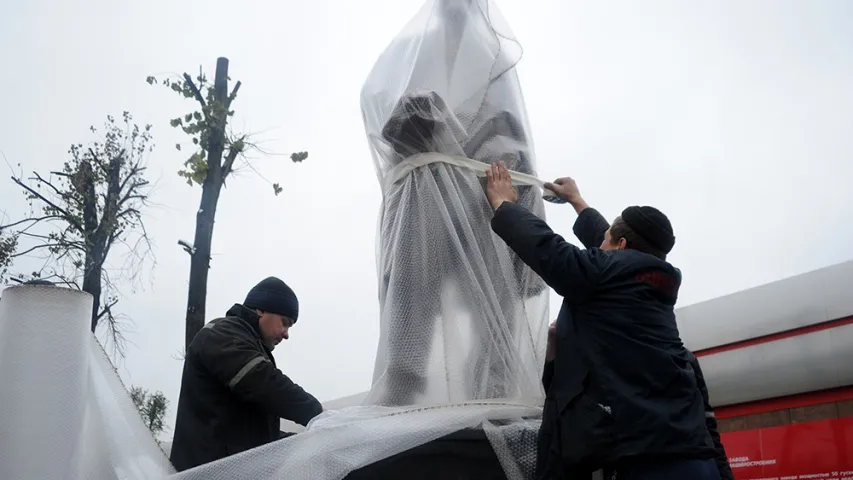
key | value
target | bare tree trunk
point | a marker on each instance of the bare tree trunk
(93, 259)
(200, 263)
(92, 285)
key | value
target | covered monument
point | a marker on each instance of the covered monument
(462, 318)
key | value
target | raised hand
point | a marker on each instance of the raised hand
(499, 187)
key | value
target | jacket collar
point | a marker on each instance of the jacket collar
(250, 318)
(246, 315)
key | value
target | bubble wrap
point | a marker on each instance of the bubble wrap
(337, 443)
(66, 414)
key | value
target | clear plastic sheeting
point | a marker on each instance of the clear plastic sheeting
(65, 413)
(462, 318)
(515, 445)
(338, 443)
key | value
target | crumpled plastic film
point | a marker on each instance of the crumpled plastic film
(514, 443)
(65, 413)
(340, 442)
(461, 317)
(125, 439)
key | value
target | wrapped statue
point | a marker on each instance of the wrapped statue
(462, 318)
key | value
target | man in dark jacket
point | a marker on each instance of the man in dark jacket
(622, 395)
(232, 395)
(721, 457)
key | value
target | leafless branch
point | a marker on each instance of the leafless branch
(233, 95)
(129, 196)
(66, 215)
(49, 184)
(105, 310)
(34, 220)
(256, 172)
(180, 355)
(133, 173)
(229, 161)
(61, 279)
(63, 242)
(115, 333)
(32, 249)
(127, 211)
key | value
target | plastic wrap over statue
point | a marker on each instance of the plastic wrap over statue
(462, 318)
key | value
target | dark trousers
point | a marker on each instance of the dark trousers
(674, 470)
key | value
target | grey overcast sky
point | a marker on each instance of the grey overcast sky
(734, 117)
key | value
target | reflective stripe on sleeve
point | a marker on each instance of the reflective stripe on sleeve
(246, 369)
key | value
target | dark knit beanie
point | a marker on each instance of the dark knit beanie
(273, 296)
(652, 225)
